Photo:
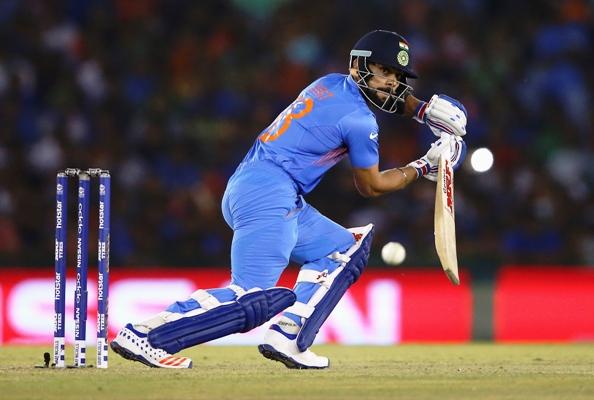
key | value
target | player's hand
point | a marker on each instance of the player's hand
(442, 114)
(451, 146)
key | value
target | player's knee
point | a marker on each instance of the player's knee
(347, 239)
(340, 241)
(319, 291)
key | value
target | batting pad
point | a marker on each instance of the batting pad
(332, 287)
(242, 315)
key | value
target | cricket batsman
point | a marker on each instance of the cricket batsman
(272, 223)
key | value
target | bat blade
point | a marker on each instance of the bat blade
(445, 220)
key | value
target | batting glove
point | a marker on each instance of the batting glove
(449, 145)
(442, 114)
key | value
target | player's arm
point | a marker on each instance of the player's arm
(371, 182)
(410, 106)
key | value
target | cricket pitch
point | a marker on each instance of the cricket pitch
(422, 371)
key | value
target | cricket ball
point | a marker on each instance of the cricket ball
(393, 253)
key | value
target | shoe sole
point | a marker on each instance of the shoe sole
(269, 352)
(128, 355)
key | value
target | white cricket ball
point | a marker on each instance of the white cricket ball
(393, 253)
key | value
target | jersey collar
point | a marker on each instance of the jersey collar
(357, 91)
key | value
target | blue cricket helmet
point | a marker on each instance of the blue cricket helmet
(387, 48)
(391, 50)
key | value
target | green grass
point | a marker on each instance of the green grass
(476, 371)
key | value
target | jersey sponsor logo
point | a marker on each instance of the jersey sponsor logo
(373, 136)
(321, 92)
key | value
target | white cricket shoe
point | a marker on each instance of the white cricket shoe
(279, 347)
(134, 345)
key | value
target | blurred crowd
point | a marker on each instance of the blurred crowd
(169, 95)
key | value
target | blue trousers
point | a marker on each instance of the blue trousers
(273, 225)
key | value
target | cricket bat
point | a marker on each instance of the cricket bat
(445, 220)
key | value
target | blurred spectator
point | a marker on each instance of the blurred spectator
(169, 95)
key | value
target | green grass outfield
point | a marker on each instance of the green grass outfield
(475, 371)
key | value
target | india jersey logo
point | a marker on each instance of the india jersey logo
(402, 58)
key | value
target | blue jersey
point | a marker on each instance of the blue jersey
(328, 120)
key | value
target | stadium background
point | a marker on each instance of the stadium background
(169, 95)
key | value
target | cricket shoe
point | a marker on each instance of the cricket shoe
(134, 345)
(278, 347)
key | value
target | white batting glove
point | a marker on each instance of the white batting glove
(442, 114)
(449, 145)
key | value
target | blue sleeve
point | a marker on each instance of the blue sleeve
(360, 133)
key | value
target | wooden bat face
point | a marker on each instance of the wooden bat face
(445, 221)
